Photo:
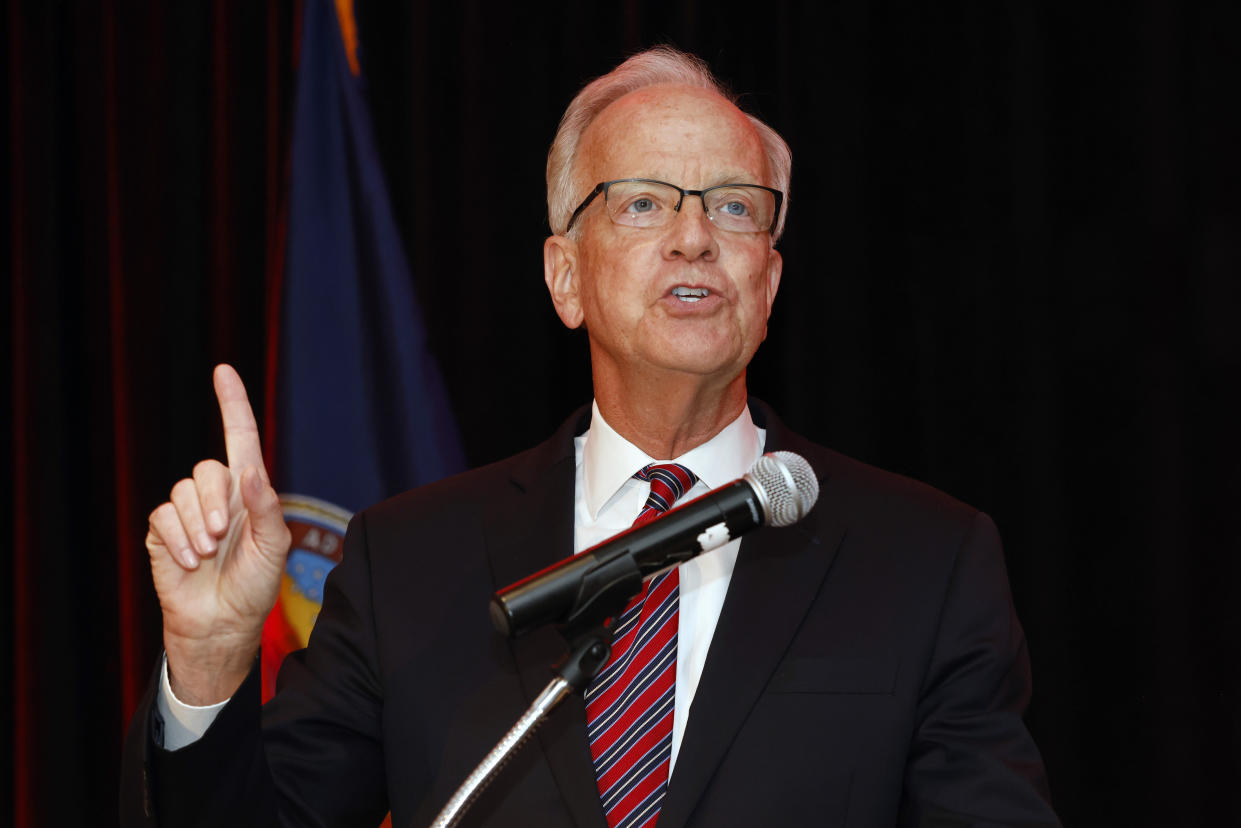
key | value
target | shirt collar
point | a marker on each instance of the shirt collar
(609, 459)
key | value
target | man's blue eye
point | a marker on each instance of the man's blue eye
(736, 208)
(641, 205)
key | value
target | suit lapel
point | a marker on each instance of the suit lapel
(530, 529)
(777, 577)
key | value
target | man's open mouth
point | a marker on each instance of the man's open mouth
(689, 294)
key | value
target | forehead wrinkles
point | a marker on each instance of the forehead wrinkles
(671, 132)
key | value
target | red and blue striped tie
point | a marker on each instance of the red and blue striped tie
(629, 704)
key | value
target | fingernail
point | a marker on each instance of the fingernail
(217, 521)
(205, 542)
(191, 560)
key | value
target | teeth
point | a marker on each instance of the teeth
(688, 294)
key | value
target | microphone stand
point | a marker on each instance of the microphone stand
(590, 645)
(585, 659)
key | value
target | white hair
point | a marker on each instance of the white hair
(660, 66)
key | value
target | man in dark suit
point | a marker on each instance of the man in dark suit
(863, 667)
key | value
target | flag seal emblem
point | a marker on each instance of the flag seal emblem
(318, 534)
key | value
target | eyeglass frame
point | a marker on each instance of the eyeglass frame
(602, 187)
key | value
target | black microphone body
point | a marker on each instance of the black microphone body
(596, 584)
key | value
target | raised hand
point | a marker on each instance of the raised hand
(218, 548)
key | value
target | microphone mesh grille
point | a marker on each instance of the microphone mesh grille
(789, 485)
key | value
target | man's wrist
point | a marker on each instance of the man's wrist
(201, 676)
(176, 724)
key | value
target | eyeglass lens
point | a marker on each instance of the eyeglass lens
(740, 208)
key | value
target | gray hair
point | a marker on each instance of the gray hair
(662, 65)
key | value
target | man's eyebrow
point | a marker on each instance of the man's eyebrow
(729, 179)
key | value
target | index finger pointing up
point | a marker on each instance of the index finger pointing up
(241, 433)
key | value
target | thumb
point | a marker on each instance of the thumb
(270, 532)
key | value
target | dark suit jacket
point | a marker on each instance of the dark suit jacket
(867, 670)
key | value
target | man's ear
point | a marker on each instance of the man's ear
(775, 266)
(560, 274)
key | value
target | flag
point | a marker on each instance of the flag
(360, 408)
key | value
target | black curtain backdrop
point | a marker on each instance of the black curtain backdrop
(1011, 270)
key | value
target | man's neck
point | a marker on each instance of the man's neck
(670, 417)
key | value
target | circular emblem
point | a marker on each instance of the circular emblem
(318, 534)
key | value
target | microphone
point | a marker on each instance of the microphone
(778, 490)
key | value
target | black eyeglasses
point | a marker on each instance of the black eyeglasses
(645, 202)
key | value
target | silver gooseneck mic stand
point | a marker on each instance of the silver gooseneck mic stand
(602, 597)
(585, 658)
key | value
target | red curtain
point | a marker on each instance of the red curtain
(146, 151)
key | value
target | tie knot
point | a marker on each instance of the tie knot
(669, 481)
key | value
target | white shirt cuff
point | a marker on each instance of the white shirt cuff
(184, 724)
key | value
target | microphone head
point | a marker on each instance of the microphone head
(786, 486)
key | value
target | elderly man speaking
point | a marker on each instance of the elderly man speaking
(863, 667)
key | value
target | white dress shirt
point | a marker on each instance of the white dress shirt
(607, 499)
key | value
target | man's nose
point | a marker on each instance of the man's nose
(692, 234)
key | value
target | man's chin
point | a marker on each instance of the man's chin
(720, 363)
